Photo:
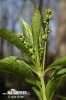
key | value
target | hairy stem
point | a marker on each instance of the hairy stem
(42, 79)
(43, 89)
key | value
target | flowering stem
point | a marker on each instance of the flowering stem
(44, 58)
(43, 89)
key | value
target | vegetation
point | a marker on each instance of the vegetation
(33, 45)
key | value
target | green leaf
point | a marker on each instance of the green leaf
(38, 93)
(36, 83)
(51, 88)
(61, 97)
(12, 38)
(28, 31)
(59, 74)
(36, 23)
(16, 65)
(54, 82)
(36, 26)
(59, 62)
(40, 37)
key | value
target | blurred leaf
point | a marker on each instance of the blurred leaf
(36, 26)
(28, 31)
(54, 83)
(51, 88)
(54, 72)
(13, 65)
(12, 38)
(34, 82)
(61, 97)
(59, 62)
(38, 93)
(59, 73)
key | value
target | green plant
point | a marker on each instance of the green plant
(34, 46)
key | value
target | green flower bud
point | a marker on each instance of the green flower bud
(24, 42)
(41, 52)
(31, 50)
(45, 37)
(41, 49)
(27, 45)
(47, 16)
(48, 11)
(21, 36)
(50, 17)
(48, 29)
(21, 39)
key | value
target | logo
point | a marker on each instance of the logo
(13, 93)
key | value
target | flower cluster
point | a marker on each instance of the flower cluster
(47, 16)
(27, 45)
(46, 22)
(47, 29)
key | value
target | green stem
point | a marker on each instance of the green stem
(43, 89)
(45, 43)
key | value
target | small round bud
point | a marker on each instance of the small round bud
(50, 17)
(27, 45)
(41, 49)
(24, 42)
(48, 11)
(45, 37)
(31, 50)
(41, 52)
(19, 34)
(47, 16)
(21, 37)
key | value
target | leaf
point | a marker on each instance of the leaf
(54, 72)
(28, 31)
(40, 37)
(13, 64)
(51, 88)
(36, 23)
(54, 83)
(12, 38)
(59, 62)
(59, 74)
(38, 93)
(61, 97)
(36, 26)
(36, 83)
